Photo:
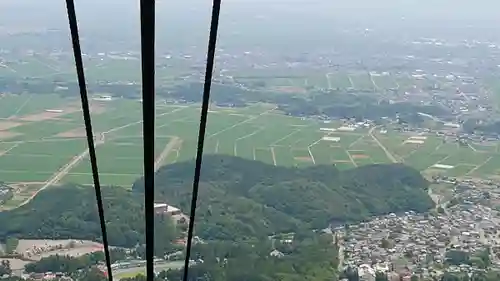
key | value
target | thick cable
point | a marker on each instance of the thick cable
(212, 41)
(147, 11)
(75, 38)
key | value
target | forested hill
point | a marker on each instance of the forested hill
(243, 198)
(70, 212)
(239, 199)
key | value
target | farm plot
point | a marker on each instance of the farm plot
(34, 66)
(10, 104)
(258, 132)
(433, 154)
(37, 161)
(490, 167)
(405, 82)
(317, 81)
(120, 162)
(361, 81)
(113, 69)
(339, 80)
(384, 81)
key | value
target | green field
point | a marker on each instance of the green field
(473, 160)
(172, 71)
(40, 149)
(102, 68)
(293, 81)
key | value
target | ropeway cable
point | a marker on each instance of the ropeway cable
(212, 41)
(147, 11)
(75, 38)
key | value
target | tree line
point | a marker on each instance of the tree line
(333, 103)
(70, 212)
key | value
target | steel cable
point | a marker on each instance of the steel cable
(75, 38)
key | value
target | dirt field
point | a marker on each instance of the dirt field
(5, 125)
(97, 108)
(360, 156)
(76, 133)
(42, 116)
(305, 159)
(44, 248)
(5, 135)
(16, 265)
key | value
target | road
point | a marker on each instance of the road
(173, 143)
(62, 172)
(100, 140)
(387, 152)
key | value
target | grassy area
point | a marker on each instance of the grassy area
(258, 132)
(142, 270)
(362, 81)
(131, 274)
(384, 82)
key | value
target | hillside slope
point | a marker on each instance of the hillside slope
(239, 199)
(244, 198)
(70, 212)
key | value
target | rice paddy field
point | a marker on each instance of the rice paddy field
(356, 81)
(99, 68)
(102, 68)
(42, 141)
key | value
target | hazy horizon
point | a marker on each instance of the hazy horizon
(279, 23)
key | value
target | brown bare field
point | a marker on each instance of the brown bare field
(360, 156)
(42, 116)
(17, 265)
(36, 249)
(5, 125)
(432, 172)
(305, 159)
(5, 135)
(97, 108)
(291, 89)
(75, 133)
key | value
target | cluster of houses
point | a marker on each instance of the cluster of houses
(417, 244)
(6, 192)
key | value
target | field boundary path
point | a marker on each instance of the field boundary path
(100, 139)
(20, 107)
(173, 143)
(387, 152)
(61, 173)
(2, 153)
(274, 156)
(241, 123)
(373, 82)
(479, 166)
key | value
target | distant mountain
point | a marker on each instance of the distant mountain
(239, 199)
(242, 198)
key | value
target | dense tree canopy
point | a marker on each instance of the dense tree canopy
(64, 264)
(246, 199)
(314, 258)
(5, 268)
(70, 212)
(239, 200)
